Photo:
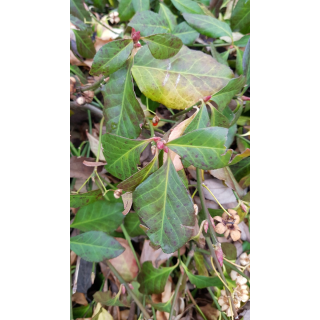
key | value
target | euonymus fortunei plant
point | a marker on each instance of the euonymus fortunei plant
(148, 64)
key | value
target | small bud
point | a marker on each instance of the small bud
(130, 286)
(195, 207)
(117, 194)
(207, 98)
(243, 207)
(137, 45)
(123, 289)
(206, 226)
(160, 145)
(135, 35)
(153, 150)
(244, 98)
(155, 139)
(219, 254)
(165, 149)
(93, 276)
(81, 100)
(155, 120)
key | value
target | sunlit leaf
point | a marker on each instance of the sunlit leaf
(163, 46)
(122, 110)
(179, 82)
(166, 14)
(153, 280)
(100, 215)
(111, 57)
(200, 121)
(165, 207)
(95, 246)
(187, 34)
(148, 23)
(122, 154)
(208, 26)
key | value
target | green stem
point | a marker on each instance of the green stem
(216, 303)
(93, 86)
(99, 102)
(94, 18)
(74, 150)
(73, 182)
(134, 297)
(242, 138)
(99, 145)
(182, 112)
(71, 309)
(126, 235)
(90, 122)
(153, 312)
(190, 255)
(151, 128)
(195, 304)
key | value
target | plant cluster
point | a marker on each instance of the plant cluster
(159, 96)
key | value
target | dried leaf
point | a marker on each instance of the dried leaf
(79, 170)
(94, 144)
(127, 202)
(79, 298)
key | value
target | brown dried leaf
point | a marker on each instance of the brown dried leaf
(210, 312)
(94, 144)
(79, 298)
(78, 169)
(127, 202)
(93, 164)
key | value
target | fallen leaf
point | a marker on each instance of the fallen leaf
(210, 312)
(125, 264)
(79, 170)
(223, 193)
(79, 298)
(94, 144)
(127, 202)
(102, 313)
(93, 164)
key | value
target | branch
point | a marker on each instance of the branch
(87, 106)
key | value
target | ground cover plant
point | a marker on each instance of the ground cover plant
(160, 159)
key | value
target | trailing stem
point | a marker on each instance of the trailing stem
(214, 239)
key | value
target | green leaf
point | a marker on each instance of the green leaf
(229, 250)
(166, 208)
(218, 119)
(242, 42)
(106, 299)
(239, 67)
(95, 246)
(126, 11)
(225, 95)
(77, 9)
(80, 24)
(77, 71)
(163, 46)
(82, 199)
(148, 23)
(183, 177)
(166, 14)
(153, 280)
(200, 265)
(225, 55)
(181, 81)
(202, 281)
(132, 225)
(187, 6)
(246, 63)
(240, 19)
(84, 43)
(187, 34)
(162, 306)
(79, 312)
(231, 134)
(215, 54)
(132, 182)
(208, 26)
(122, 110)
(203, 148)
(141, 5)
(111, 57)
(241, 169)
(200, 121)
(122, 154)
(101, 215)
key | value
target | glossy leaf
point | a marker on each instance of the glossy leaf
(153, 280)
(165, 207)
(100, 215)
(141, 5)
(240, 19)
(111, 57)
(246, 63)
(126, 10)
(163, 46)
(122, 154)
(239, 67)
(122, 110)
(95, 246)
(82, 199)
(77, 10)
(187, 34)
(225, 95)
(202, 281)
(84, 43)
(148, 23)
(203, 148)
(208, 26)
(132, 182)
(166, 14)
(181, 81)
(187, 6)
(132, 225)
